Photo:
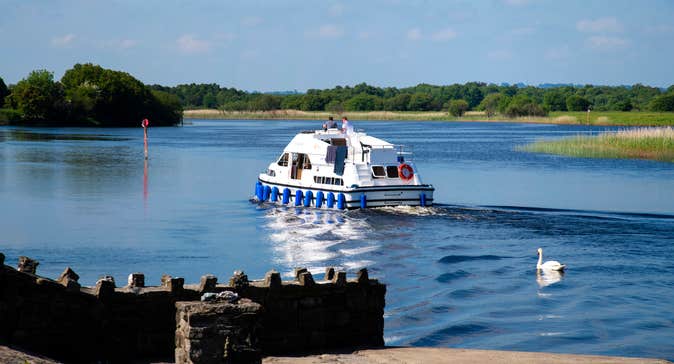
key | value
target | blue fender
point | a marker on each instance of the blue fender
(298, 197)
(286, 196)
(341, 201)
(258, 190)
(266, 193)
(274, 194)
(331, 200)
(363, 201)
(319, 199)
(422, 199)
(307, 198)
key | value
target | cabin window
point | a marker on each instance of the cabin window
(306, 162)
(271, 173)
(378, 172)
(392, 171)
(329, 180)
(283, 161)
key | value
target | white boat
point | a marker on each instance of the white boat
(330, 169)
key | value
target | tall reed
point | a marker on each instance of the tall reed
(638, 143)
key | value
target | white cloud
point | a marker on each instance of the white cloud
(500, 55)
(414, 34)
(444, 35)
(601, 25)
(189, 44)
(251, 21)
(604, 43)
(63, 41)
(558, 53)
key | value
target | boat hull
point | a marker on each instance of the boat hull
(356, 197)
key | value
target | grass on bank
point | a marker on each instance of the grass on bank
(640, 143)
(616, 118)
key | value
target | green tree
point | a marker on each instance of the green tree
(458, 107)
(335, 107)
(38, 97)
(523, 105)
(490, 104)
(363, 102)
(663, 103)
(577, 103)
(554, 100)
(4, 91)
(265, 102)
(419, 102)
(398, 102)
(116, 98)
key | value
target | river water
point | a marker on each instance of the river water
(460, 274)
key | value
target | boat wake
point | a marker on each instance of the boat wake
(317, 239)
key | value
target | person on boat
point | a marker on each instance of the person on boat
(330, 124)
(347, 128)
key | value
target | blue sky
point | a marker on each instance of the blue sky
(286, 45)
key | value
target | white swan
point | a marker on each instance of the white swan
(550, 264)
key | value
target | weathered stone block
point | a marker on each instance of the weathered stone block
(27, 265)
(218, 332)
(362, 277)
(339, 279)
(136, 280)
(105, 288)
(273, 280)
(306, 279)
(208, 283)
(70, 274)
(298, 271)
(329, 273)
(239, 279)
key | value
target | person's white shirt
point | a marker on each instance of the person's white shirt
(347, 127)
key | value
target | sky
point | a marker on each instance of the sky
(278, 45)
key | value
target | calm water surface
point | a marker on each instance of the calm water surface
(460, 274)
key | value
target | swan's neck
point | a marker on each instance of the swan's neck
(540, 260)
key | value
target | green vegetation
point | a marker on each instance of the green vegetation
(87, 95)
(457, 107)
(508, 100)
(642, 143)
(615, 118)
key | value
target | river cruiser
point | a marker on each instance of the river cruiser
(331, 169)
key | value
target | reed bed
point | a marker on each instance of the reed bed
(616, 118)
(639, 143)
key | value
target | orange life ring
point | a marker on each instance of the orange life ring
(405, 172)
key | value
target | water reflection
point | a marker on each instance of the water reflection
(546, 278)
(26, 135)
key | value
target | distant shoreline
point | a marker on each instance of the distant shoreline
(608, 118)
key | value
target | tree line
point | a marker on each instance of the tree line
(509, 100)
(86, 95)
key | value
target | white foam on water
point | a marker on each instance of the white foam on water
(357, 251)
(306, 237)
(551, 333)
(358, 264)
(413, 210)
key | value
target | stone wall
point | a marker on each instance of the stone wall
(63, 320)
